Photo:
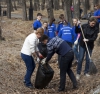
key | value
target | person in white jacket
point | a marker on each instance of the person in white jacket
(29, 53)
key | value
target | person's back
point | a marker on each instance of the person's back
(52, 30)
(66, 33)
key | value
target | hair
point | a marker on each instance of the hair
(44, 37)
(75, 18)
(45, 22)
(93, 19)
(40, 31)
(39, 14)
(65, 22)
(51, 21)
(61, 16)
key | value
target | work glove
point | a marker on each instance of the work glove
(76, 42)
(43, 61)
(85, 40)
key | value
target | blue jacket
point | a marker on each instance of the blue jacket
(60, 25)
(97, 13)
(37, 24)
(75, 34)
(51, 30)
(46, 32)
(66, 33)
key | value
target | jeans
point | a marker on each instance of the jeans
(30, 65)
(76, 52)
(81, 57)
(65, 67)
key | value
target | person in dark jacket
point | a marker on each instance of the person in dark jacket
(59, 46)
(90, 31)
(37, 24)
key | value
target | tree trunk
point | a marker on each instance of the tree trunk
(84, 8)
(96, 2)
(36, 5)
(15, 5)
(56, 4)
(24, 10)
(76, 8)
(12, 6)
(43, 5)
(91, 5)
(87, 4)
(62, 4)
(9, 9)
(67, 10)
(31, 11)
(50, 9)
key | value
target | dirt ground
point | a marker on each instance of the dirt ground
(12, 68)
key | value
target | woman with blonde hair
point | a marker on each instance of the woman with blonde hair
(29, 53)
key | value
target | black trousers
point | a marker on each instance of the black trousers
(65, 67)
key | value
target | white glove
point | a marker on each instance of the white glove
(37, 60)
(85, 40)
(76, 42)
(79, 22)
(43, 61)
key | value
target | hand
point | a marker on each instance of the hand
(38, 60)
(85, 40)
(43, 61)
(76, 42)
(79, 22)
(40, 55)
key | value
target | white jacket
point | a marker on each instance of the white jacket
(30, 44)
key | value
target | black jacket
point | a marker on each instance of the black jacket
(90, 33)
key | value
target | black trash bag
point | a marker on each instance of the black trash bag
(43, 49)
(92, 68)
(44, 76)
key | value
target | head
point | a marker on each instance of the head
(52, 20)
(61, 17)
(39, 16)
(65, 22)
(45, 24)
(95, 6)
(39, 32)
(44, 39)
(92, 21)
(75, 21)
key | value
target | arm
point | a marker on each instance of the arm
(49, 56)
(94, 37)
(35, 25)
(60, 33)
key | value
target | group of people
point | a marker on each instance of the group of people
(65, 40)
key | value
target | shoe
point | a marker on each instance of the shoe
(75, 87)
(60, 89)
(77, 76)
(30, 86)
(87, 75)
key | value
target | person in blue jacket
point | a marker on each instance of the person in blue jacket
(37, 23)
(76, 39)
(51, 28)
(97, 14)
(66, 33)
(60, 23)
(45, 27)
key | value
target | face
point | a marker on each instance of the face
(38, 36)
(45, 41)
(75, 21)
(92, 24)
(39, 17)
(45, 25)
(95, 7)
